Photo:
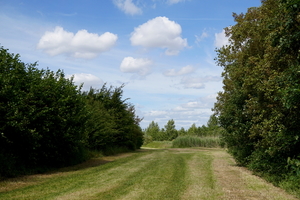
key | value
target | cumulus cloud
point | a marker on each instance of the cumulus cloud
(198, 82)
(184, 115)
(80, 45)
(128, 7)
(88, 80)
(185, 70)
(159, 32)
(221, 39)
(140, 66)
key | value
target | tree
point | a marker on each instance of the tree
(170, 131)
(112, 122)
(153, 131)
(42, 117)
(182, 132)
(259, 105)
(193, 130)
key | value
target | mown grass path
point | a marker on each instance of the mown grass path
(194, 173)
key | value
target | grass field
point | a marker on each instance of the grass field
(191, 173)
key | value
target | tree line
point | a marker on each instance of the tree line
(259, 104)
(47, 121)
(154, 133)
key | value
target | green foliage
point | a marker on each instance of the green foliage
(195, 141)
(159, 144)
(112, 123)
(42, 117)
(181, 131)
(46, 121)
(170, 131)
(152, 133)
(292, 180)
(259, 107)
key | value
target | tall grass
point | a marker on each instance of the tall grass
(159, 144)
(195, 141)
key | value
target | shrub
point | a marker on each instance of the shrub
(195, 141)
(159, 144)
(42, 117)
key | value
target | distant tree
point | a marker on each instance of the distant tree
(162, 135)
(193, 130)
(213, 128)
(170, 130)
(153, 131)
(182, 132)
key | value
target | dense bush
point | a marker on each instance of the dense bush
(112, 123)
(46, 121)
(159, 144)
(196, 141)
(42, 117)
(259, 107)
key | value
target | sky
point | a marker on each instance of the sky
(163, 51)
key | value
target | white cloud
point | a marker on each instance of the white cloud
(221, 39)
(159, 32)
(80, 45)
(184, 115)
(128, 7)
(140, 66)
(198, 82)
(88, 80)
(194, 83)
(174, 1)
(185, 70)
(156, 113)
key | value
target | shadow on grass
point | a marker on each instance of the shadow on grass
(51, 172)
(94, 162)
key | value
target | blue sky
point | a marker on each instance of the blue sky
(162, 50)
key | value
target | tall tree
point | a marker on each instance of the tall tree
(153, 131)
(170, 130)
(259, 105)
(42, 117)
(112, 122)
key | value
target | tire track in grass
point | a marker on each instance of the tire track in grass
(177, 183)
(202, 182)
(162, 178)
(86, 180)
(194, 173)
(110, 178)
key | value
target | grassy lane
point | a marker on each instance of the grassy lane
(202, 182)
(237, 183)
(194, 173)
